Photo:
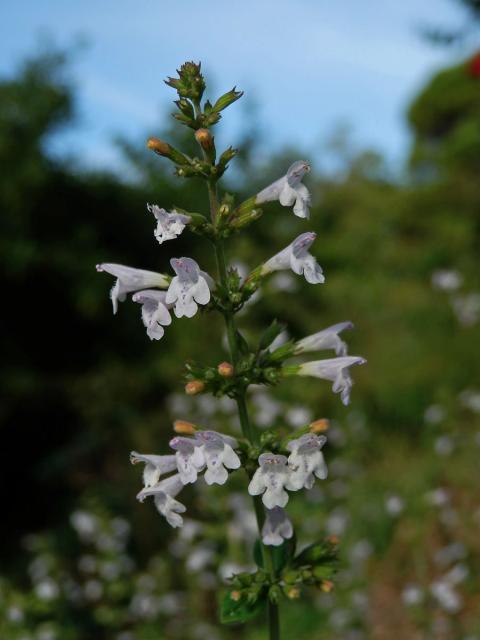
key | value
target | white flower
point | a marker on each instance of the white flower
(306, 460)
(447, 279)
(155, 466)
(276, 528)
(164, 494)
(130, 279)
(334, 369)
(297, 258)
(189, 458)
(169, 225)
(155, 314)
(289, 190)
(271, 479)
(326, 339)
(189, 287)
(218, 452)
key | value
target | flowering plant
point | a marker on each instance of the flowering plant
(275, 462)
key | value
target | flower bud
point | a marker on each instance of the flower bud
(225, 369)
(317, 426)
(292, 593)
(184, 428)
(159, 146)
(204, 139)
(333, 539)
(193, 387)
(235, 596)
(326, 586)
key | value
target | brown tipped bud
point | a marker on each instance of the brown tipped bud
(225, 369)
(235, 596)
(293, 593)
(326, 586)
(204, 139)
(184, 428)
(159, 146)
(333, 539)
(193, 387)
(317, 426)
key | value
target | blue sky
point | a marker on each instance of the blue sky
(307, 65)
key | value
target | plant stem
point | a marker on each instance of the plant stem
(248, 428)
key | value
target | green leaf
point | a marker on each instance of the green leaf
(319, 553)
(242, 344)
(242, 607)
(227, 99)
(269, 335)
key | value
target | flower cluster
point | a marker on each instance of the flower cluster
(206, 451)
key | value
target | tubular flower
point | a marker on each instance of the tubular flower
(130, 279)
(306, 460)
(289, 190)
(189, 287)
(271, 479)
(169, 224)
(189, 458)
(297, 258)
(155, 466)
(155, 314)
(334, 369)
(164, 497)
(219, 455)
(326, 339)
(276, 528)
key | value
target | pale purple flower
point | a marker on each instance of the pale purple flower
(189, 458)
(130, 279)
(276, 528)
(306, 460)
(271, 478)
(189, 287)
(219, 455)
(169, 224)
(326, 339)
(289, 190)
(334, 369)
(164, 494)
(297, 258)
(155, 314)
(155, 466)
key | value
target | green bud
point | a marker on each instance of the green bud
(274, 593)
(190, 83)
(227, 99)
(290, 577)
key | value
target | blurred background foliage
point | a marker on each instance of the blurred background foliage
(80, 559)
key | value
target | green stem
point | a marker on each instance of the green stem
(248, 428)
